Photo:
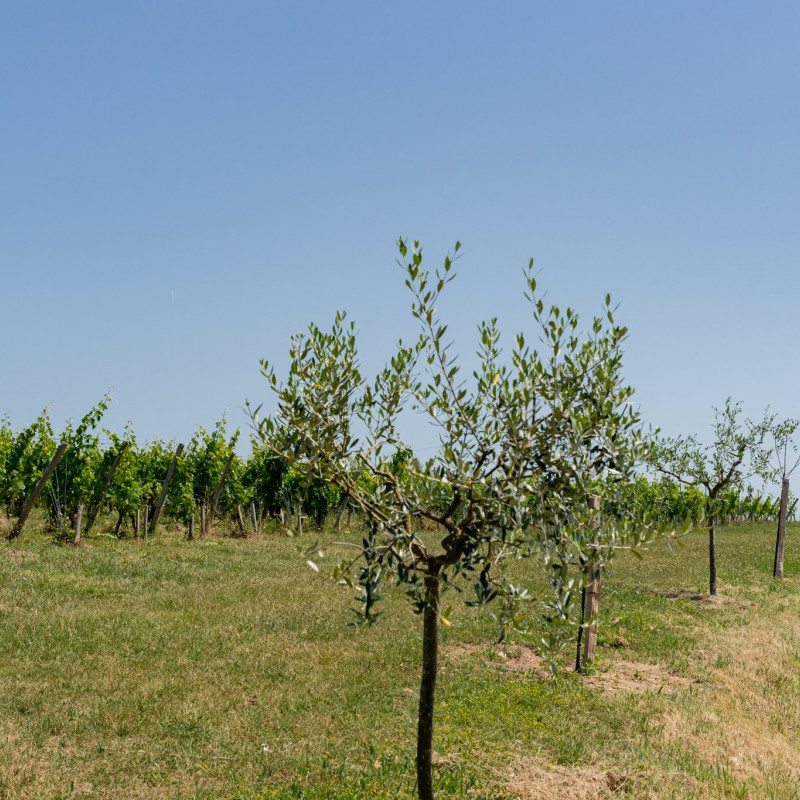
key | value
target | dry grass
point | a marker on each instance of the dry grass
(533, 779)
(631, 676)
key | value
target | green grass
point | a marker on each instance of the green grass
(225, 668)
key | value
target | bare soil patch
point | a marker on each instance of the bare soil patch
(716, 600)
(536, 780)
(630, 676)
(515, 658)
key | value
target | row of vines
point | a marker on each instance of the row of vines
(120, 481)
(117, 480)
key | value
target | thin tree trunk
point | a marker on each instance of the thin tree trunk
(712, 557)
(190, 534)
(119, 523)
(777, 569)
(580, 630)
(427, 689)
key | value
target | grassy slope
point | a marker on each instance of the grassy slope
(225, 669)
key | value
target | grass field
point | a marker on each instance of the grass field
(225, 668)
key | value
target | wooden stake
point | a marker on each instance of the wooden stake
(37, 492)
(777, 569)
(78, 519)
(340, 513)
(240, 520)
(164, 489)
(218, 492)
(254, 517)
(593, 591)
(203, 520)
(95, 507)
(190, 535)
(146, 516)
(136, 526)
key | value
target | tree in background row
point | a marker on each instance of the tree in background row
(736, 454)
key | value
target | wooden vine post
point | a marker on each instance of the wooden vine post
(254, 517)
(777, 569)
(37, 492)
(162, 498)
(95, 508)
(593, 590)
(240, 521)
(78, 520)
(218, 492)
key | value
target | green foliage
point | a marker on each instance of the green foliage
(522, 445)
(23, 458)
(736, 453)
(78, 478)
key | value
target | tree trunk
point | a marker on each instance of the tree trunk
(580, 631)
(712, 557)
(777, 569)
(427, 689)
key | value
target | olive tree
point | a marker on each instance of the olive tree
(736, 454)
(785, 462)
(522, 442)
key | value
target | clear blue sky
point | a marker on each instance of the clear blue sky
(184, 184)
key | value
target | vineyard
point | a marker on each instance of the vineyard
(545, 484)
(123, 488)
(122, 485)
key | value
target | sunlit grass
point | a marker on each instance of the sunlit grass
(225, 668)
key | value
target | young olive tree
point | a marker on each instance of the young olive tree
(736, 453)
(785, 463)
(521, 446)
